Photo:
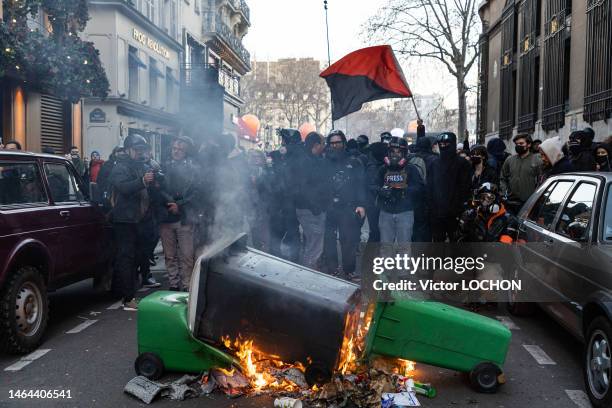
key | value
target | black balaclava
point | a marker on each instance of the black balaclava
(449, 151)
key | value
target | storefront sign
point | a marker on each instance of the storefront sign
(151, 43)
(97, 116)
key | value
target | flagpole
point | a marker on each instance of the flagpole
(328, 60)
(415, 108)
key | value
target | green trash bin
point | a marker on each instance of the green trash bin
(441, 335)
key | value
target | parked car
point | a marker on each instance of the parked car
(565, 258)
(51, 236)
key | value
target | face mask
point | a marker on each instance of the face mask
(574, 148)
(520, 149)
(602, 160)
(476, 160)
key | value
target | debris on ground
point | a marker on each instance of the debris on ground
(147, 390)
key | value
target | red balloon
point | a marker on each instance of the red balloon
(249, 125)
(305, 129)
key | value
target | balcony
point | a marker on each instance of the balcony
(214, 24)
(196, 76)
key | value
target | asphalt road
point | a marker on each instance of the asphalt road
(90, 350)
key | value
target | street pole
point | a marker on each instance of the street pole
(328, 59)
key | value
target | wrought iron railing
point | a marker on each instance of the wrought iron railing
(202, 75)
(217, 26)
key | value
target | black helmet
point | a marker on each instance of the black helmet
(385, 137)
(400, 143)
(362, 141)
(290, 136)
(135, 141)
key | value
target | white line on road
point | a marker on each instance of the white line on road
(509, 323)
(538, 354)
(81, 326)
(24, 361)
(579, 398)
(115, 305)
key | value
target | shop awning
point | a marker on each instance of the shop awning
(133, 58)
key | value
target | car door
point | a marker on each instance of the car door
(26, 213)
(537, 253)
(572, 262)
(78, 227)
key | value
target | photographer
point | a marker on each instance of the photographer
(131, 204)
(179, 215)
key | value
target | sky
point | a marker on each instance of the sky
(296, 29)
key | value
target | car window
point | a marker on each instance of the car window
(63, 184)
(607, 230)
(576, 215)
(21, 184)
(544, 210)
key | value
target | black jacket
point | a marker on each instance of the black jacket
(399, 190)
(448, 186)
(311, 179)
(130, 198)
(181, 185)
(488, 175)
(584, 160)
(347, 181)
(564, 165)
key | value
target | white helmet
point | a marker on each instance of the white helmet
(397, 132)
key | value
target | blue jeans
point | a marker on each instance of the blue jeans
(396, 227)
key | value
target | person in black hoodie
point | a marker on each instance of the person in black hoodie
(448, 188)
(399, 185)
(580, 146)
(352, 147)
(603, 157)
(376, 155)
(312, 196)
(483, 173)
(362, 143)
(496, 148)
(553, 160)
(347, 210)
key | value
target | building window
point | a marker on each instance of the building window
(149, 9)
(508, 71)
(196, 6)
(133, 65)
(598, 79)
(529, 64)
(154, 75)
(556, 65)
(173, 19)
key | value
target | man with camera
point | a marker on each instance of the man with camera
(131, 183)
(179, 213)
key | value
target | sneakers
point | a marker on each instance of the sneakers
(130, 306)
(151, 283)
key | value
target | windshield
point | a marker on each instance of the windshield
(607, 230)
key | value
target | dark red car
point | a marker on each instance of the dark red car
(51, 235)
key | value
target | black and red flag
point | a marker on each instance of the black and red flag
(362, 76)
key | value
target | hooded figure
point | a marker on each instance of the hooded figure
(580, 147)
(376, 155)
(603, 157)
(553, 160)
(496, 148)
(448, 188)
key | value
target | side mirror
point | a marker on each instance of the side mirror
(95, 194)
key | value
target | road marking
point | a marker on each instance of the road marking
(509, 323)
(539, 355)
(24, 361)
(115, 305)
(81, 326)
(579, 398)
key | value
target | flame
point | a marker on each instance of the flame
(257, 366)
(406, 366)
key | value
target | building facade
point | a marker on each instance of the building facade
(213, 63)
(141, 54)
(545, 68)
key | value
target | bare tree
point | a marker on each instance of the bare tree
(443, 30)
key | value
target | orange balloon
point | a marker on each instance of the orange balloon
(305, 129)
(249, 124)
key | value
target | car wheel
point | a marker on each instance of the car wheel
(521, 309)
(24, 311)
(149, 365)
(598, 363)
(484, 378)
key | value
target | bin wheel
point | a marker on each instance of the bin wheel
(484, 378)
(149, 365)
(317, 374)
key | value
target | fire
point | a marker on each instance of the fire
(259, 367)
(406, 367)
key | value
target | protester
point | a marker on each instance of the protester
(385, 137)
(553, 160)
(602, 157)
(12, 145)
(347, 211)
(520, 172)
(483, 173)
(179, 212)
(448, 188)
(259, 193)
(535, 146)
(424, 150)
(362, 143)
(130, 205)
(75, 157)
(312, 198)
(496, 148)
(376, 155)
(580, 146)
(399, 185)
(352, 147)
(488, 220)
(95, 165)
(103, 179)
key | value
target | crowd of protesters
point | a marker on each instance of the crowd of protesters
(308, 201)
